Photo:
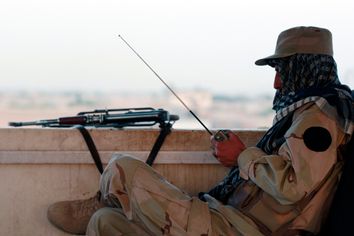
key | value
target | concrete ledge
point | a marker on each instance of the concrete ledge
(51, 139)
(84, 157)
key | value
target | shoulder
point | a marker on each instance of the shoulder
(316, 127)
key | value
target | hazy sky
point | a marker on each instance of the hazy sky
(74, 44)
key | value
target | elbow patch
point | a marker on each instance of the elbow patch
(317, 139)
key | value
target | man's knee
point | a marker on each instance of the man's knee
(117, 177)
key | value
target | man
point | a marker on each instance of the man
(282, 186)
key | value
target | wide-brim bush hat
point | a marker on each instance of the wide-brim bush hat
(307, 40)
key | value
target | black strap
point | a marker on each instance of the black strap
(165, 130)
(91, 146)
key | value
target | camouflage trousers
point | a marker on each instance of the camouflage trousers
(142, 202)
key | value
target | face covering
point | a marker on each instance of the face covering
(302, 73)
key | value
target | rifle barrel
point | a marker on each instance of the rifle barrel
(39, 122)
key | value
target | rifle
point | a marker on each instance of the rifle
(116, 118)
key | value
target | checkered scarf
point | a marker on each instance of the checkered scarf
(302, 73)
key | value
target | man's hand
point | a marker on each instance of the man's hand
(228, 149)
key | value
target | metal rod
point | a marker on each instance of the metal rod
(195, 116)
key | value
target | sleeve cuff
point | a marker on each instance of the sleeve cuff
(246, 161)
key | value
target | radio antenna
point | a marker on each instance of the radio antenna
(157, 75)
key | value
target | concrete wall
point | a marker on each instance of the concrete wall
(42, 166)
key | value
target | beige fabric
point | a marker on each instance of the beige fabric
(112, 221)
(312, 215)
(243, 224)
(294, 174)
(153, 204)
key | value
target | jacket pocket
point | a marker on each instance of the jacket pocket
(270, 213)
(261, 207)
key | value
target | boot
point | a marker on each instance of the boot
(73, 216)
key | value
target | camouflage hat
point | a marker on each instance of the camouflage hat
(311, 40)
